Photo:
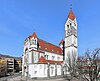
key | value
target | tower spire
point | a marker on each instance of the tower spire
(71, 14)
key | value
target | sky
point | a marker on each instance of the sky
(20, 18)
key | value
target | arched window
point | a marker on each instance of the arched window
(70, 24)
(35, 42)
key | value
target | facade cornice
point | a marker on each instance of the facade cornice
(72, 45)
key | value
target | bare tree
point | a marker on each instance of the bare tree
(89, 66)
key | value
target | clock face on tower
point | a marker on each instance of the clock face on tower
(74, 32)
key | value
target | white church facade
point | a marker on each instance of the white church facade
(43, 59)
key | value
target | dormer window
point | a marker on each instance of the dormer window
(58, 58)
(46, 56)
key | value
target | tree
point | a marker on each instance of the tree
(89, 66)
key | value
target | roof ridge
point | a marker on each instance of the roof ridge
(61, 42)
(48, 42)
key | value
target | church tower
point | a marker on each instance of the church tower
(70, 37)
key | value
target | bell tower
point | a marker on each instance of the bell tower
(70, 36)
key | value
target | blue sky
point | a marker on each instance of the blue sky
(19, 18)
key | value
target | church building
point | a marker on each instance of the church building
(42, 59)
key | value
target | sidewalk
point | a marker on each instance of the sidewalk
(47, 79)
(19, 78)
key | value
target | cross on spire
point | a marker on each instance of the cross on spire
(70, 6)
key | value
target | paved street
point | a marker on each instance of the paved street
(19, 78)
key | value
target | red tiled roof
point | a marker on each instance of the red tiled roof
(38, 51)
(49, 47)
(43, 61)
(33, 35)
(71, 15)
(61, 42)
(45, 46)
(53, 62)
